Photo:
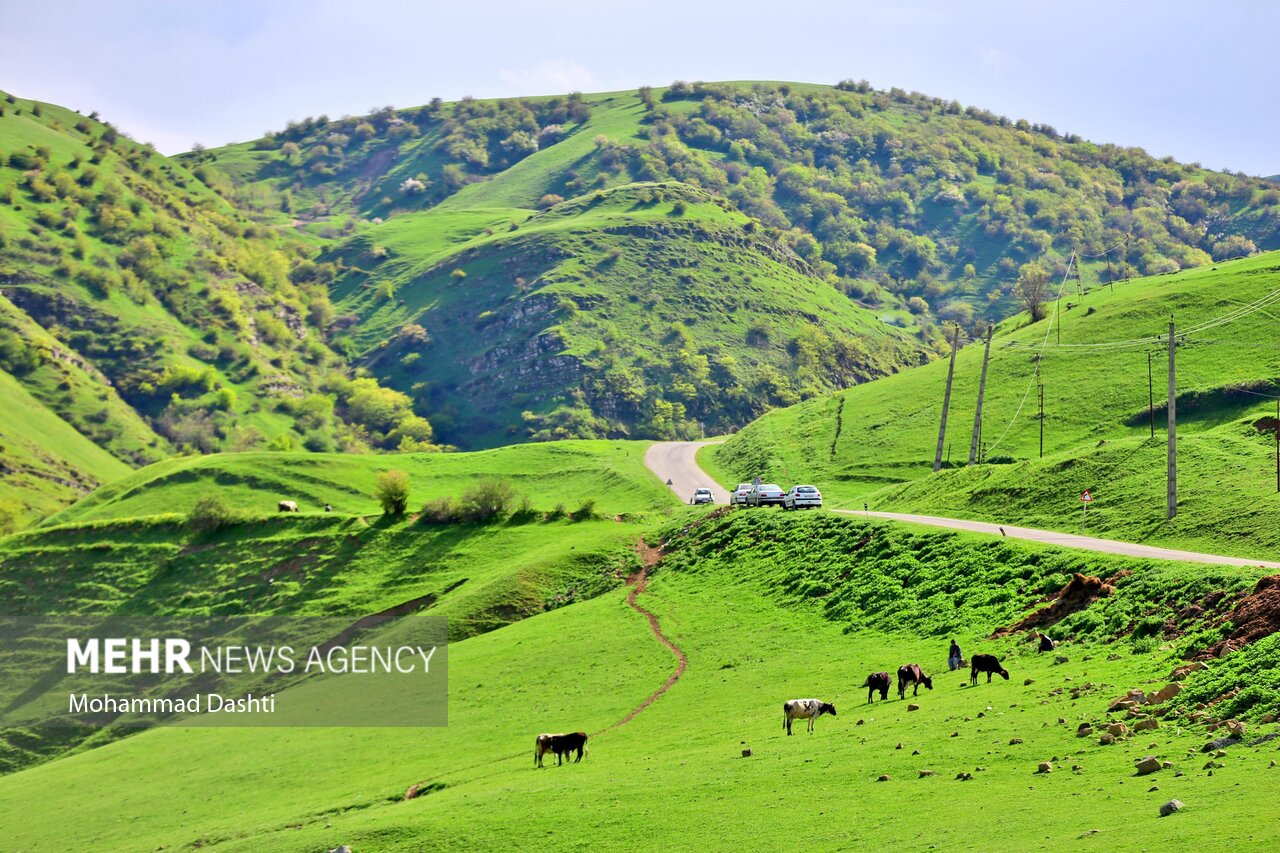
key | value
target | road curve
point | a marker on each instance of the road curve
(676, 462)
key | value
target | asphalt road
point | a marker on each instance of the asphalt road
(676, 461)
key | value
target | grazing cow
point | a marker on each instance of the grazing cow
(1047, 643)
(287, 506)
(910, 673)
(805, 709)
(541, 746)
(564, 744)
(878, 681)
(989, 664)
(328, 507)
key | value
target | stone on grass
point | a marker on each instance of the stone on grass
(1045, 767)
(1147, 764)
(913, 707)
(924, 773)
(883, 777)
(1170, 807)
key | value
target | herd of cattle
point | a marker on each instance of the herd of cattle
(909, 675)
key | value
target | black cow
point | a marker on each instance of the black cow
(878, 681)
(562, 745)
(1047, 643)
(989, 664)
(910, 673)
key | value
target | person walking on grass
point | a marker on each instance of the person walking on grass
(954, 659)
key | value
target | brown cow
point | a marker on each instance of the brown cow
(989, 664)
(878, 681)
(910, 673)
(564, 744)
(541, 746)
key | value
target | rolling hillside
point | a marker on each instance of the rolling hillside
(875, 443)
(670, 261)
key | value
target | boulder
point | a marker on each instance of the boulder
(964, 777)
(1236, 728)
(1164, 694)
(1045, 767)
(1170, 807)
(1148, 723)
(883, 777)
(1149, 764)
(1107, 738)
(924, 773)
(899, 746)
(1117, 729)
(746, 753)
(1218, 744)
(1181, 672)
(1085, 730)
(1015, 741)
(913, 707)
(345, 848)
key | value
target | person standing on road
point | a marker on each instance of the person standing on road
(954, 657)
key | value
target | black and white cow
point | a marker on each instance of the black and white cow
(805, 709)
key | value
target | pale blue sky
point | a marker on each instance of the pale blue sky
(1195, 80)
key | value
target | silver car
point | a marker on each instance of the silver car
(765, 494)
(802, 496)
(739, 496)
(702, 496)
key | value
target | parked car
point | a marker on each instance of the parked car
(802, 496)
(765, 494)
(739, 496)
(702, 496)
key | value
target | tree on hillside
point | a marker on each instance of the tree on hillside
(1033, 279)
(392, 491)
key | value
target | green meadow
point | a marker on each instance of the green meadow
(767, 607)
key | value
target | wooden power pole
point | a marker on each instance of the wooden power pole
(1173, 423)
(1041, 420)
(946, 400)
(982, 387)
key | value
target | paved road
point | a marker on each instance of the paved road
(675, 461)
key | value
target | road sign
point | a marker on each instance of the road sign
(1086, 497)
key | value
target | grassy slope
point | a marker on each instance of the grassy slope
(672, 777)
(1095, 423)
(569, 473)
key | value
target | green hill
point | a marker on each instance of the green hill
(875, 443)
(724, 247)
(141, 314)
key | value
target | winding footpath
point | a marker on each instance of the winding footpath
(677, 461)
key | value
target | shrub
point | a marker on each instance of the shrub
(586, 512)
(549, 200)
(488, 500)
(10, 516)
(210, 513)
(392, 491)
(439, 511)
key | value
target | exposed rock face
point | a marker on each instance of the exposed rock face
(1079, 593)
(1257, 615)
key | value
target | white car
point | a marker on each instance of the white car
(765, 494)
(739, 496)
(702, 496)
(802, 496)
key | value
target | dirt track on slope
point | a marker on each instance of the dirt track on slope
(651, 556)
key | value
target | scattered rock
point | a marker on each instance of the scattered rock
(860, 722)
(1129, 700)
(1076, 768)
(1148, 764)
(924, 773)
(1045, 767)
(899, 746)
(883, 777)
(955, 734)
(1061, 659)
(1027, 682)
(913, 707)
(1268, 718)
(1089, 832)
(1153, 788)
(345, 848)
(746, 753)
(1236, 728)
(1218, 744)
(1062, 721)
(1118, 729)
(1211, 764)
(1181, 672)
(1170, 807)
(1164, 694)
(915, 752)
(1085, 730)
(1148, 723)
(964, 777)
(1015, 741)
(1107, 738)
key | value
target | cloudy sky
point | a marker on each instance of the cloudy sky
(1195, 80)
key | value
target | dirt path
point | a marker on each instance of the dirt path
(650, 556)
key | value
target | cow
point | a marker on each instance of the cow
(287, 506)
(564, 744)
(1047, 643)
(541, 746)
(910, 673)
(878, 681)
(989, 664)
(805, 709)
(328, 507)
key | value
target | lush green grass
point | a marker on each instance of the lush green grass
(568, 473)
(737, 595)
(875, 442)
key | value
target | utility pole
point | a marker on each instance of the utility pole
(1041, 420)
(1151, 397)
(1111, 282)
(946, 401)
(1278, 444)
(982, 387)
(1173, 423)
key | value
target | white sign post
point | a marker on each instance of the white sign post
(1085, 500)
